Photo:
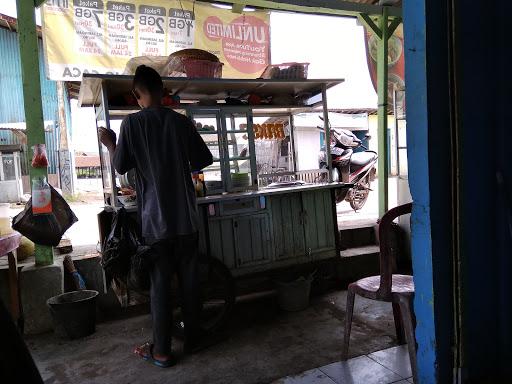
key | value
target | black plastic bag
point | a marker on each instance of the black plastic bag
(45, 229)
(138, 277)
(124, 256)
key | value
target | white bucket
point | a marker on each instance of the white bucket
(5, 219)
(294, 296)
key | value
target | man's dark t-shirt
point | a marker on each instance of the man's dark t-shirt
(164, 147)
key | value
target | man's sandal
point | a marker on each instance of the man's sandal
(145, 351)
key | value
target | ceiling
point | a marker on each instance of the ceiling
(322, 7)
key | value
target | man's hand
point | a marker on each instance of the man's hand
(107, 138)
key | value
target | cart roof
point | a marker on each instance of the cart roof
(191, 90)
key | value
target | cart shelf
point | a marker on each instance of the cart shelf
(193, 90)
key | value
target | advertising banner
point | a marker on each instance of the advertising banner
(396, 64)
(100, 36)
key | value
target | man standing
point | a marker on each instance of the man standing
(164, 148)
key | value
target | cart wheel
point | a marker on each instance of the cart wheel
(217, 294)
(217, 297)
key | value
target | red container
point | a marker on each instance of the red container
(202, 69)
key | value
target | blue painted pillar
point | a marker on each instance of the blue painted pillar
(430, 181)
(417, 153)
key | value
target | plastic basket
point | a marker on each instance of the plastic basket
(286, 71)
(202, 69)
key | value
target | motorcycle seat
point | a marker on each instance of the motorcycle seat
(360, 159)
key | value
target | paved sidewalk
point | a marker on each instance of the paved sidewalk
(383, 367)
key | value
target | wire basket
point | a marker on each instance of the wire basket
(205, 69)
(286, 71)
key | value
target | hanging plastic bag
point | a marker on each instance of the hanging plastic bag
(45, 229)
(138, 277)
(123, 254)
(39, 159)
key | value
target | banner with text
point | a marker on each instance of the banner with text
(95, 36)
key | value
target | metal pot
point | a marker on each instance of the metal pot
(128, 179)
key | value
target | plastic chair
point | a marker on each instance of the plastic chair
(389, 287)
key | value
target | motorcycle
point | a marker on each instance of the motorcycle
(358, 168)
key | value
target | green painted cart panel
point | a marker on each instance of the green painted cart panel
(318, 222)
(287, 226)
(293, 228)
(222, 243)
(252, 238)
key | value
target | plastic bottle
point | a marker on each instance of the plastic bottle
(203, 184)
(197, 185)
(41, 197)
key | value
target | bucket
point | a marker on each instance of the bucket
(5, 220)
(294, 296)
(74, 313)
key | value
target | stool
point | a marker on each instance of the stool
(8, 246)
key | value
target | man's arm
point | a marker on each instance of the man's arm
(199, 154)
(121, 154)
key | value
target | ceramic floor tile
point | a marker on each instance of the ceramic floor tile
(360, 370)
(401, 382)
(314, 376)
(395, 359)
(410, 380)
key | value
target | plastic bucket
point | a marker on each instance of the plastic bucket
(294, 296)
(74, 313)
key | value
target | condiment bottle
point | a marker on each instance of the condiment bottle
(203, 184)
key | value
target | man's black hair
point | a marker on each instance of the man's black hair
(149, 79)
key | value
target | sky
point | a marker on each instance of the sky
(334, 47)
(8, 7)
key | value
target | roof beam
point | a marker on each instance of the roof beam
(319, 7)
(367, 20)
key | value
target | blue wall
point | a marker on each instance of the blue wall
(11, 96)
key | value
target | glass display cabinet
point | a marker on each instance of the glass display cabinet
(253, 145)
(230, 137)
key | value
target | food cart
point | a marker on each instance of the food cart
(260, 212)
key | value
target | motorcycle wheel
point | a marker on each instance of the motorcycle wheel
(340, 193)
(359, 194)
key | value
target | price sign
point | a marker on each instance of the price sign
(181, 29)
(88, 22)
(152, 29)
(121, 29)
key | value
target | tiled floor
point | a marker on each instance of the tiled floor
(382, 367)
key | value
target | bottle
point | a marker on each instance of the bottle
(197, 184)
(203, 184)
(41, 197)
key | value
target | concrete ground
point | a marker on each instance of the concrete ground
(368, 215)
(264, 344)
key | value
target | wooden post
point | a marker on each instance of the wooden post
(29, 54)
(65, 163)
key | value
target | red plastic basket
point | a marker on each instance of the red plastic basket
(202, 69)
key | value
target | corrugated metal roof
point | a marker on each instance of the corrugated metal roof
(52, 136)
(11, 92)
(11, 99)
(87, 161)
